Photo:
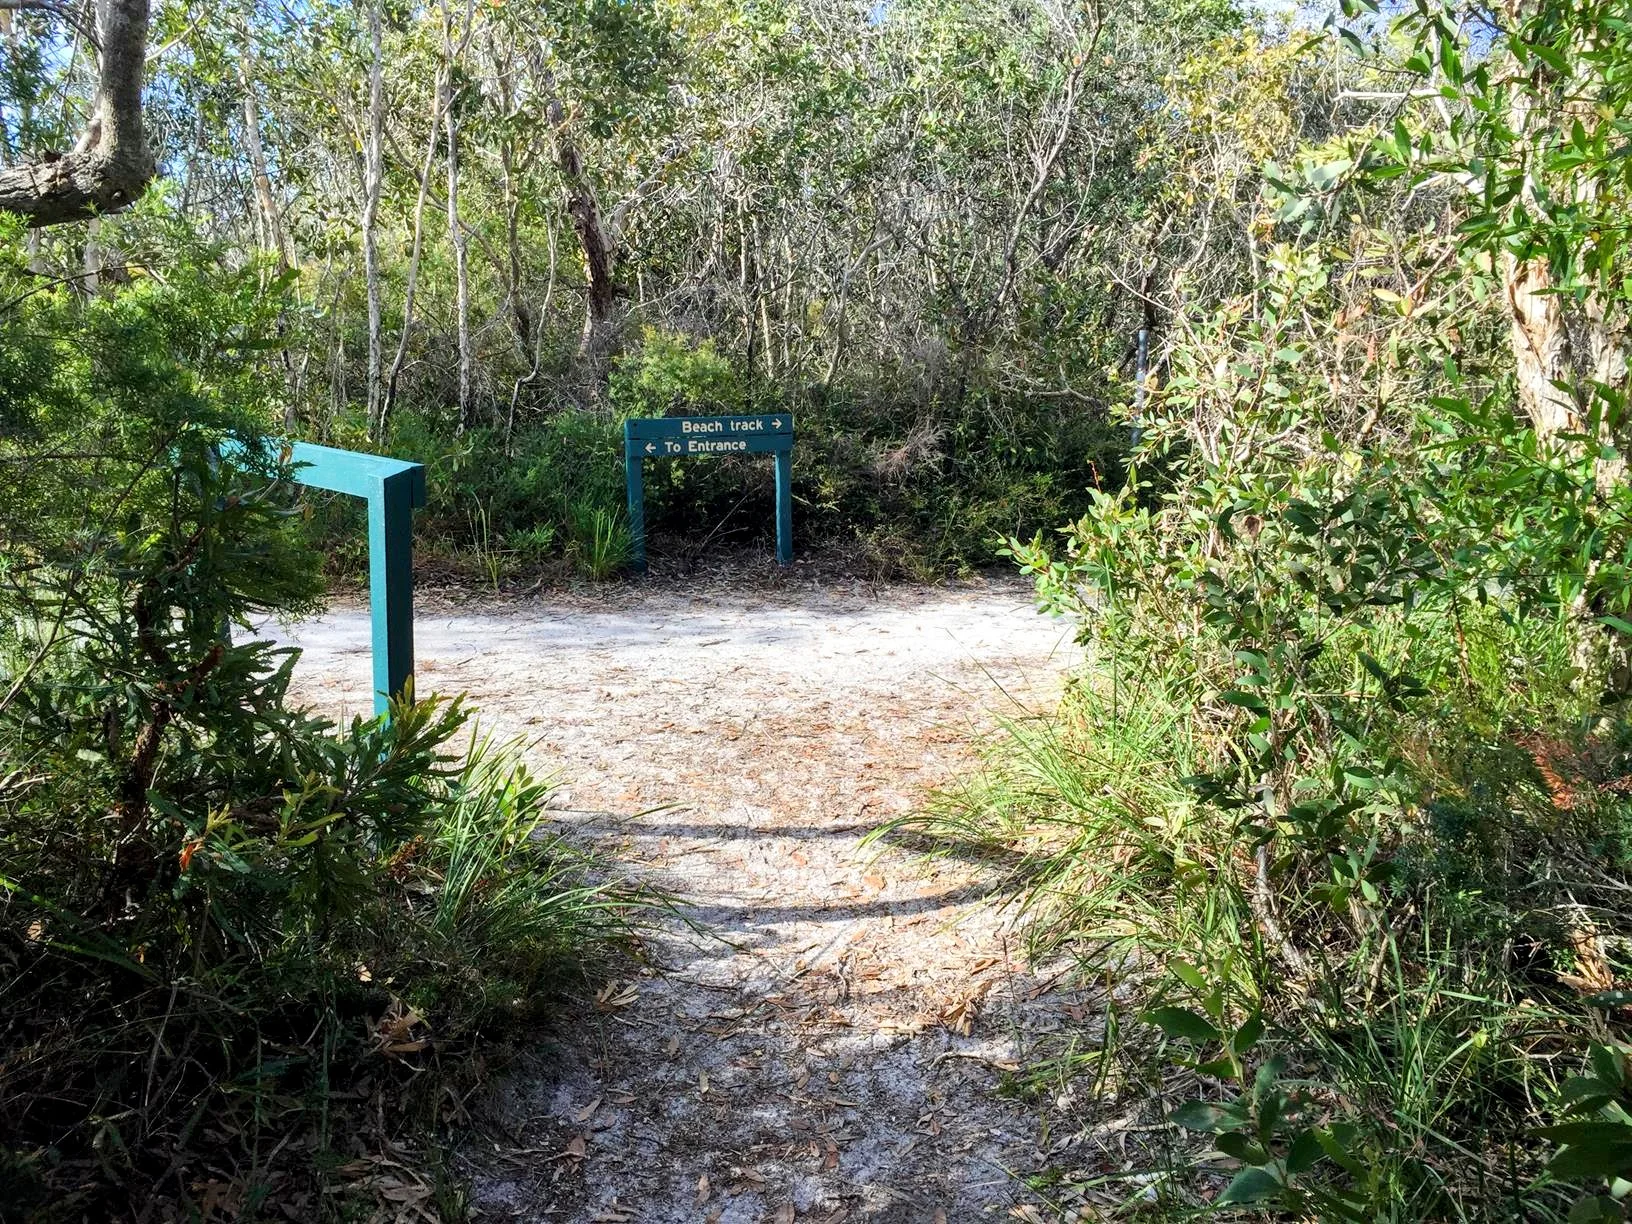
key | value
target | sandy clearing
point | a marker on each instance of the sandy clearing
(831, 1044)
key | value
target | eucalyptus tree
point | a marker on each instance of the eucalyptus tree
(110, 164)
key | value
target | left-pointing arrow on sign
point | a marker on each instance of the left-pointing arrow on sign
(650, 447)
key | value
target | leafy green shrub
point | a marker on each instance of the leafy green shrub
(671, 375)
(1367, 893)
(218, 912)
(909, 489)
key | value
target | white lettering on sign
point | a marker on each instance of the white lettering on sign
(752, 425)
(711, 446)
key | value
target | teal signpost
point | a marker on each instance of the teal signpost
(393, 489)
(689, 437)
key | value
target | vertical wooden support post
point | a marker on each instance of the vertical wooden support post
(784, 507)
(679, 437)
(634, 481)
(391, 580)
(393, 489)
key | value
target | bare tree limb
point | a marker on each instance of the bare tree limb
(111, 165)
(75, 18)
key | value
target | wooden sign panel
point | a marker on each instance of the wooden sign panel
(692, 437)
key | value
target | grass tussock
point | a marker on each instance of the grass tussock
(295, 1019)
(1385, 1044)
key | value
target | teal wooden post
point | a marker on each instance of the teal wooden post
(393, 489)
(391, 581)
(634, 481)
(784, 507)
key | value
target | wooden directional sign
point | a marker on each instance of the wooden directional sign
(689, 437)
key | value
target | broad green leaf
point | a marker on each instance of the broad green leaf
(1182, 1022)
(1251, 1185)
(1201, 1116)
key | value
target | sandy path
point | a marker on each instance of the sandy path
(828, 1052)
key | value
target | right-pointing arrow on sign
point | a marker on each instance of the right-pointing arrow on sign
(776, 422)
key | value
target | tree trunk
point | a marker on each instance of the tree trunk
(456, 233)
(111, 165)
(596, 343)
(273, 238)
(390, 396)
(1541, 347)
(91, 282)
(373, 176)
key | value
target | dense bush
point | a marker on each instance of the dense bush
(1340, 805)
(224, 924)
(902, 490)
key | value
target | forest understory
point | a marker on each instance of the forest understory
(1282, 870)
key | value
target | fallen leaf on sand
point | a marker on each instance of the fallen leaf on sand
(702, 1083)
(588, 1111)
(616, 994)
(960, 1017)
(940, 1215)
(577, 1149)
(702, 1189)
(397, 1192)
(784, 1214)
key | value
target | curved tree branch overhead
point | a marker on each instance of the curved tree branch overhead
(111, 164)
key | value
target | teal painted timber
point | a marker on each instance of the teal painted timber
(694, 437)
(393, 488)
(710, 427)
(784, 507)
(698, 448)
(634, 480)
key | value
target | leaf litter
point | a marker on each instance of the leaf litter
(821, 1038)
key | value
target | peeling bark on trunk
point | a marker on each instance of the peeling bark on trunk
(1541, 347)
(596, 243)
(91, 280)
(273, 237)
(373, 179)
(600, 293)
(111, 165)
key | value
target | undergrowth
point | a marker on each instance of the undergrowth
(1337, 818)
(249, 961)
(898, 489)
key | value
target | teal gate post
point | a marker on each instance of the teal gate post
(634, 487)
(689, 437)
(393, 488)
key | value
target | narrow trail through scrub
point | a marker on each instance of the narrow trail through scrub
(827, 1044)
